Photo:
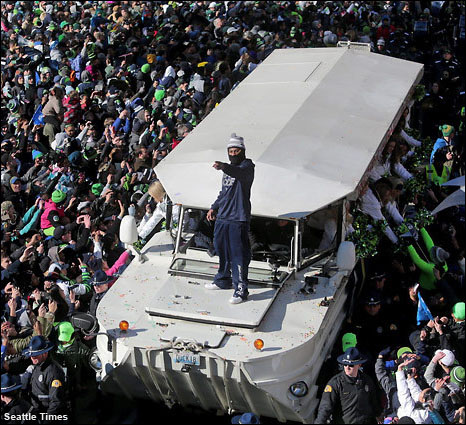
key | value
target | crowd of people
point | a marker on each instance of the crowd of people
(96, 93)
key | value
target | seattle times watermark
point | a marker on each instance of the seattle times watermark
(33, 417)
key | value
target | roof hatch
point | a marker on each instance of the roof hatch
(187, 299)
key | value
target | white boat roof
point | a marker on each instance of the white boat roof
(312, 120)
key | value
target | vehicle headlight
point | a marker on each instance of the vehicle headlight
(299, 389)
(95, 362)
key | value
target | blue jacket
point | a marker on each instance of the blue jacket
(439, 143)
(233, 202)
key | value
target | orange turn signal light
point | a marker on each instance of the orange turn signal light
(124, 326)
(259, 344)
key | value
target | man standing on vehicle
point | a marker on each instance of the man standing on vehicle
(232, 212)
(351, 393)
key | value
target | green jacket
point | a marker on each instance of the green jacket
(19, 344)
(75, 358)
(427, 278)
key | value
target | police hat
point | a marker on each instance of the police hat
(245, 418)
(372, 298)
(10, 383)
(100, 278)
(351, 357)
(37, 346)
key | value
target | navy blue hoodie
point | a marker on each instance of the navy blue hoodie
(233, 202)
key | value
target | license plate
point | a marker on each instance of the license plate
(186, 357)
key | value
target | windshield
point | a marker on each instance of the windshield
(191, 267)
(271, 243)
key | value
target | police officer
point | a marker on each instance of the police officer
(47, 379)
(100, 282)
(449, 65)
(12, 404)
(351, 393)
(232, 212)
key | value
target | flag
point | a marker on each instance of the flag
(38, 117)
(423, 312)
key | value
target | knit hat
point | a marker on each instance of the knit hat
(348, 340)
(446, 129)
(366, 29)
(145, 68)
(439, 255)
(458, 308)
(159, 94)
(449, 358)
(236, 142)
(402, 351)
(58, 196)
(65, 331)
(457, 376)
(380, 42)
(36, 154)
(97, 188)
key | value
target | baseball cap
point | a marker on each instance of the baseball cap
(14, 179)
(449, 358)
(60, 231)
(403, 350)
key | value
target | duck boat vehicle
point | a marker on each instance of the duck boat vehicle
(314, 121)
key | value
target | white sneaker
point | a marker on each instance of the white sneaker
(211, 286)
(236, 300)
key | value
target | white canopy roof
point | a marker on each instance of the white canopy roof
(312, 120)
(456, 198)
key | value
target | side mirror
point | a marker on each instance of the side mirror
(128, 230)
(346, 256)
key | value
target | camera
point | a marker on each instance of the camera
(409, 370)
(45, 296)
